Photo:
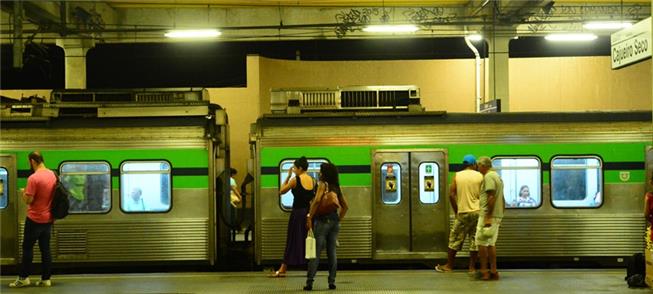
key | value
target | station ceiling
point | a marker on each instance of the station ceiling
(129, 21)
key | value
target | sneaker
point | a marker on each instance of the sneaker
(19, 283)
(308, 287)
(44, 283)
(332, 286)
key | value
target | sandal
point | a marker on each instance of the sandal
(442, 269)
(278, 274)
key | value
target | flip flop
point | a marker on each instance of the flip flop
(441, 269)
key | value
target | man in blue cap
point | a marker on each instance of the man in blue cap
(464, 195)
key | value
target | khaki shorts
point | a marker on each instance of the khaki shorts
(487, 236)
(463, 226)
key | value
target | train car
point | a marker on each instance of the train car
(144, 168)
(586, 175)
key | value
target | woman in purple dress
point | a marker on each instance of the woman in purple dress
(302, 189)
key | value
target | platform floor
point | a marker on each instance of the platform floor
(381, 281)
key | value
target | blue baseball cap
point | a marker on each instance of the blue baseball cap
(469, 159)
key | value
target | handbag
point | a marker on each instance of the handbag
(328, 204)
(310, 245)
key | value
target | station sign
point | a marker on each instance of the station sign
(631, 45)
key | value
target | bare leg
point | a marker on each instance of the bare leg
(483, 254)
(492, 252)
(473, 258)
(451, 258)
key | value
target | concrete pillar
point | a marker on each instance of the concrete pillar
(18, 35)
(496, 71)
(75, 58)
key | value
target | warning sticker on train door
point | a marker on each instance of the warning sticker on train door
(429, 185)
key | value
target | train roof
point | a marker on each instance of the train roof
(442, 117)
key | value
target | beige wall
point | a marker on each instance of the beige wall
(242, 108)
(578, 84)
(444, 84)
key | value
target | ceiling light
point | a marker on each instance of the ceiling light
(391, 29)
(570, 37)
(193, 34)
(613, 25)
(475, 37)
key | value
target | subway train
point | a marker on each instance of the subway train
(144, 169)
(581, 176)
(148, 174)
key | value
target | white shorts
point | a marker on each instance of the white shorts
(487, 236)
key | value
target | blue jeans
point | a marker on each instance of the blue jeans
(325, 230)
(33, 232)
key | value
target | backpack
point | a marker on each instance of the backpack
(60, 202)
(636, 271)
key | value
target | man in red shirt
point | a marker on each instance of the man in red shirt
(38, 223)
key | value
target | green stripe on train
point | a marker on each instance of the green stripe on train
(178, 182)
(362, 155)
(177, 157)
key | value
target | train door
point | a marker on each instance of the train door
(8, 207)
(410, 211)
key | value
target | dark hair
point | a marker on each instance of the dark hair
(233, 171)
(301, 163)
(329, 175)
(36, 156)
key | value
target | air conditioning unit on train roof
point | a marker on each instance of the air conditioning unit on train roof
(353, 98)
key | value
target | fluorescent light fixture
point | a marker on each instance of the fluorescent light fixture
(474, 37)
(193, 34)
(610, 25)
(570, 37)
(391, 29)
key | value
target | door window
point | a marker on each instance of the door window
(429, 182)
(391, 183)
(4, 188)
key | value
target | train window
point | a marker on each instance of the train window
(313, 171)
(4, 187)
(145, 186)
(576, 181)
(391, 183)
(521, 180)
(89, 184)
(429, 184)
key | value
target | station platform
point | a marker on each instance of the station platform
(348, 281)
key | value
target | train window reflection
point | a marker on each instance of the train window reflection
(521, 181)
(313, 171)
(4, 188)
(145, 186)
(576, 181)
(429, 183)
(391, 183)
(89, 184)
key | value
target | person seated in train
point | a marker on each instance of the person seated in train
(302, 187)
(464, 195)
(135, 201)
(524, 199)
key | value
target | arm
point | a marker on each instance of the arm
(452, 195)
(647, 205)
(235, 191)
(288, 183)
(344, 206)
(28, 199)
(491, 199)
(314, 204)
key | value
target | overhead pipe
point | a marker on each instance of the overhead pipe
(477, 94)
